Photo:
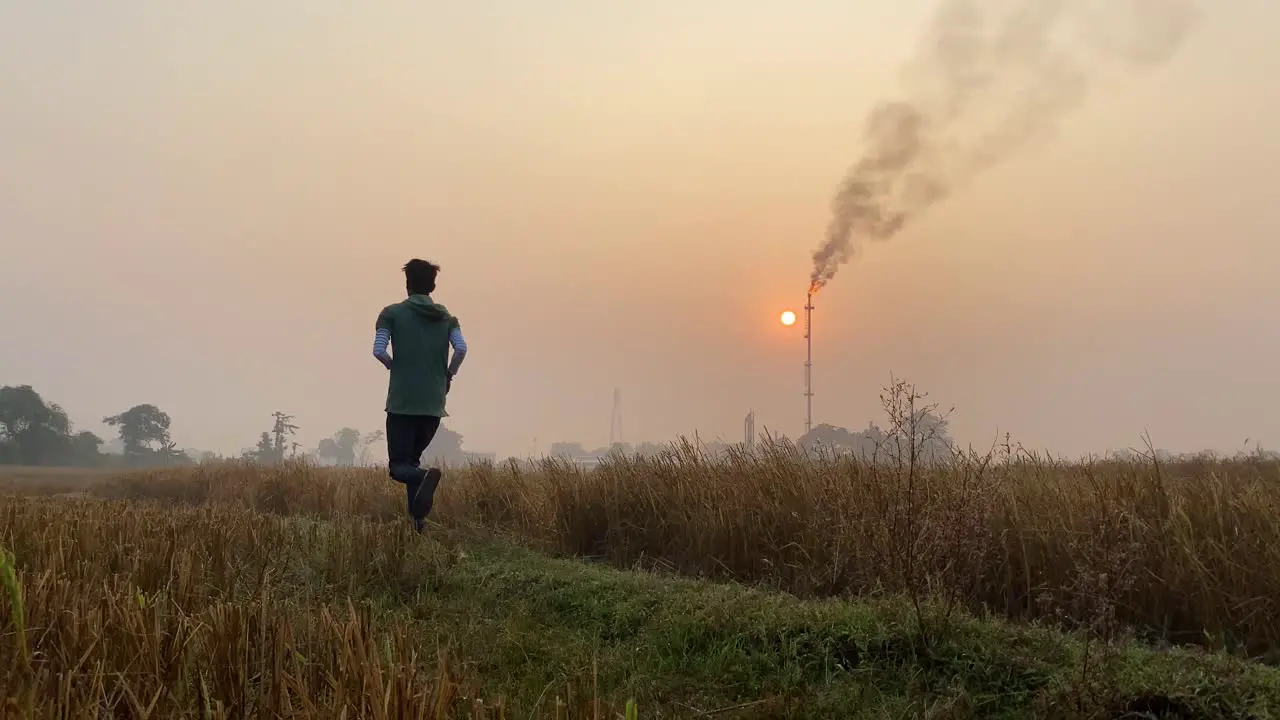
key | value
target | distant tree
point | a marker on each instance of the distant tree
(873, 435)
(828, 436)
(341, 448)
(266, 450)
(929, 424)
(144, 431)
(327, 451)
(446, 447)
(86, 449)
(32, 432)
(832, 438)
(281, 430)
(911, 426)
(366, 442)
(347, 447)
(345, 440)
(169, 454)
(273, 444)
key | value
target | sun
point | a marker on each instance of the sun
(788, 317)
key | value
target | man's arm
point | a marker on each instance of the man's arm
(459, 351)
(380, 341)
(381, 337)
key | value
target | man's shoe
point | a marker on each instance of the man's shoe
(425, 497)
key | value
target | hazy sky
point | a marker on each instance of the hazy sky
(204, 206)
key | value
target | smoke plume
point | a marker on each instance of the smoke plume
(990, 78)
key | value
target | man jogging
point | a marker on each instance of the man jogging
(420, 332)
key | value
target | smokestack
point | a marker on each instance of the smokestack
(990, 78)
(808, 363)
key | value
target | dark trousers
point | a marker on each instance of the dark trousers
(407, 438)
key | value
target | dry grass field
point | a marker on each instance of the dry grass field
(765, 585)
(1182, 553)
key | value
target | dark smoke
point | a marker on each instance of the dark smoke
(990, 78)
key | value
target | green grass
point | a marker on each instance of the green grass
(717, 646)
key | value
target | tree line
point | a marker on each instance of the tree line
(34, 431)
(927, 432)
(347, 447)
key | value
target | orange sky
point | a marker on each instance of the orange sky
(205, 207)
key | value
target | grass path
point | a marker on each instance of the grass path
(720, 646)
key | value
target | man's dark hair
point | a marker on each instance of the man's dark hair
(420, 277)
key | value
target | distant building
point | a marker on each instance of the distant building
(586, 462)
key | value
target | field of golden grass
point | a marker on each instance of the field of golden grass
(293, 590)
(1176, 553)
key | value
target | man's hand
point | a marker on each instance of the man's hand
(448, 383)
(385, 359)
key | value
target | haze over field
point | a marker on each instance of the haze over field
(205, 206)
